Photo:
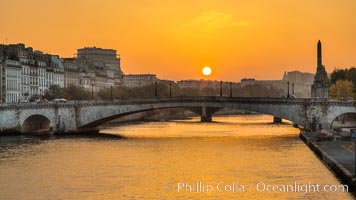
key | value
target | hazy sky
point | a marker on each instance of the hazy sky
(175, 39)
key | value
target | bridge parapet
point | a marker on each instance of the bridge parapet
(212, 99)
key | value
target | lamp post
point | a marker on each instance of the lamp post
(155, 88)
(170, 90)
(293, 89)
(220, 88)
(92, 91)
(230, 89)
(288, 89)
(111, 92)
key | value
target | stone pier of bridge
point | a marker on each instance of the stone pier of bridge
(205, 116)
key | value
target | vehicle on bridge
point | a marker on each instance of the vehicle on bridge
(61, 100)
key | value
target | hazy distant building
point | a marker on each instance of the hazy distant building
(198, 84)
(300, 82)
(166, 82)
(320, 89)
(102, 59)
(298, 77)
(138, 80)
(205, 84)
(276, 84)
(103, 64)
(247, 81)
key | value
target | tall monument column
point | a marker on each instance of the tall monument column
(320, 89)
(319, 60)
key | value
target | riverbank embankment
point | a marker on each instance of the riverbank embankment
(338, 155)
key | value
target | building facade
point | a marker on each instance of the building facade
(2, 81)
(100, 58)
(27, 74)
(100, 67)
(57, 65)
(13, 81)
(71, 72)
(86, 80)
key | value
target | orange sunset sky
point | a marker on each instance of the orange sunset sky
(175, 39)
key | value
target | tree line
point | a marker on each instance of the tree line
(163, 90)
(342, 83)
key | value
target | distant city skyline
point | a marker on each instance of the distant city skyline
(175, 40)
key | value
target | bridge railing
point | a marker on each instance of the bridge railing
(179, 99)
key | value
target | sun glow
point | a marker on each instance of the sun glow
(206, 71)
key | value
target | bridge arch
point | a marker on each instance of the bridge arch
(344, 120)
(36, 123)
(333, 112)
(104, 114)
(103, 120)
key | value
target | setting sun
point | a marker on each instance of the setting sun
(206, 71)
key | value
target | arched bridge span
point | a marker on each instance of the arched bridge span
(75, 116)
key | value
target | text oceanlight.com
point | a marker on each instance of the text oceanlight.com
(236, 187)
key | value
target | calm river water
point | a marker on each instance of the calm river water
(236, 157)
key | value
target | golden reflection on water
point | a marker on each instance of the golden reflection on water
(157, 156)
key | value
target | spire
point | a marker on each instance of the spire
(319, 88)
(319, 62)
(284, 76)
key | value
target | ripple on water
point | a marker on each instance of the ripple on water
(153, 157)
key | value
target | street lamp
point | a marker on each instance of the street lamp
(288, 89)
(92, 91)
(155, 88)
(41, 95)
(170, 90)
(230, 89)
(220, 88)
(111, 92)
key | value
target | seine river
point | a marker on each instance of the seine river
(235, 157)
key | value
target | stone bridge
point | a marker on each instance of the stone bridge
(78, 116)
